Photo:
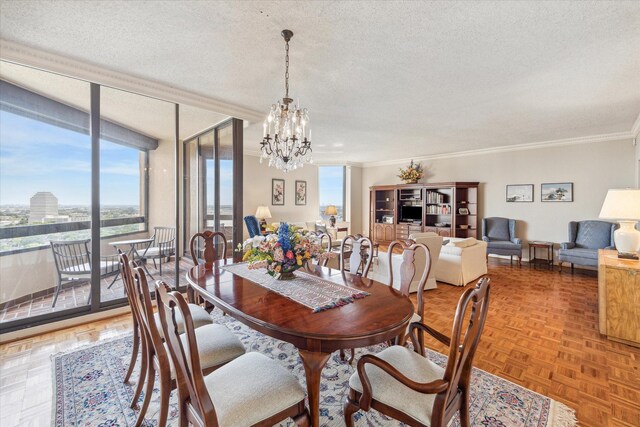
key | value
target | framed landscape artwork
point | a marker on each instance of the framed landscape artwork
(557, 192)
(277, 192)
(301, 192)
(520, 193)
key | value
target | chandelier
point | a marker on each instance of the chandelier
(286, 137)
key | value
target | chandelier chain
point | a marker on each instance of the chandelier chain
(286, 72)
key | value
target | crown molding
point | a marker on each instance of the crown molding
(520, 147)
(635, 130)
(47, 61)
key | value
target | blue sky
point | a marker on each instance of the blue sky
(331, 185)
(36, 156)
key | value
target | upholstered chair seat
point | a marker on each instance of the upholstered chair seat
(250, 389)
(217, 346)
(199, 315)
(391, 392)
(500, 235)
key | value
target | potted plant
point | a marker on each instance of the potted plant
(412, 173)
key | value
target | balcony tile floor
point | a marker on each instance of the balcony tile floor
(77, 295)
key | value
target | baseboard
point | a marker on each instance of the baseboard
(62, 324)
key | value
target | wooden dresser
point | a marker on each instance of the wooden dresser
(619, 297)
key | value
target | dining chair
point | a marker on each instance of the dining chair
(162, 247)
(72, 259)
(406, 385)
(208, 250)
(218, 346)
(321, 238)
(412, 254)
(251, 390)
(359, 249)
(138, 339)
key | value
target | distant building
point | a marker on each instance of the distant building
(44, 208)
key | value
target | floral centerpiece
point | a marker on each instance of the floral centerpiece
(412, 173)
(284, 251)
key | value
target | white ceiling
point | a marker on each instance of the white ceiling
(382, 80)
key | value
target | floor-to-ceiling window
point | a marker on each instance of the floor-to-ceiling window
(331, 183)
(87, 170)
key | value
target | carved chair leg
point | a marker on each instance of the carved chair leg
(134, 353)
(571, 267)
(151, 377)
(144, 365)
(510, 259)
(303, 419)
(353, 354)
(165, 392)
(464, 410)
(350, 408)
(342, 355)
(559, 266)
(519, 260)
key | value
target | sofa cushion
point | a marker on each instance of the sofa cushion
(464, 243)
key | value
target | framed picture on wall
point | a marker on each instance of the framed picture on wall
(519, 193)
(301, 193)
(557, 192)
(277, 192)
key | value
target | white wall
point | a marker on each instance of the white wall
(593, 168)
(356, 199)
(162, 186)
(257, 191)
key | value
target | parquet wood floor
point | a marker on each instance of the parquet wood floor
(541, 333)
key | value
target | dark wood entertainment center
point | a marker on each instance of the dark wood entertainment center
(447, 208)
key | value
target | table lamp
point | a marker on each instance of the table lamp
(624, 207)
(261, 214)
(333, 211)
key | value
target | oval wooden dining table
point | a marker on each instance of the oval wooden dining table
(379, 317)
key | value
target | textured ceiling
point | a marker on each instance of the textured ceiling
(382, 80)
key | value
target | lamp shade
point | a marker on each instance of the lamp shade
(331, 210)
(263, 212)
(621, 205)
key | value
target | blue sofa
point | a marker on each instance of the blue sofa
(585, 238)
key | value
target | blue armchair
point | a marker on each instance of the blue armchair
(585, 238)
(500, 235)
(253, 226)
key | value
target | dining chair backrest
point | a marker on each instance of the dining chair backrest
(209, 251)
(407, 268)
(142, 297)
(464, 342)
(361, 254)
(190, 380)
(321, 239)
(72, 257)
(165, 239)
(127, 280)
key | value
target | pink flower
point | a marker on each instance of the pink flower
(289, 254)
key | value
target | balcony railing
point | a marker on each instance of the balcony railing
(60, 227)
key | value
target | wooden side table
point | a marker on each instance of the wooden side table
(619, 298)
(548, 246)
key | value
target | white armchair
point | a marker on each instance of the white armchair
(461, 261)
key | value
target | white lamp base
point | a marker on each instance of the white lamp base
(627, 238)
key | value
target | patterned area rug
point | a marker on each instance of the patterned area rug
(89, 389)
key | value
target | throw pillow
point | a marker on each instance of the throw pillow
(464, 243)
(321, 228)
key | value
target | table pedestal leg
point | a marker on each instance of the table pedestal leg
(313, 363)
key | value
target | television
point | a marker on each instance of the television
(410, 213)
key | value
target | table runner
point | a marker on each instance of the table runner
(306, 289)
